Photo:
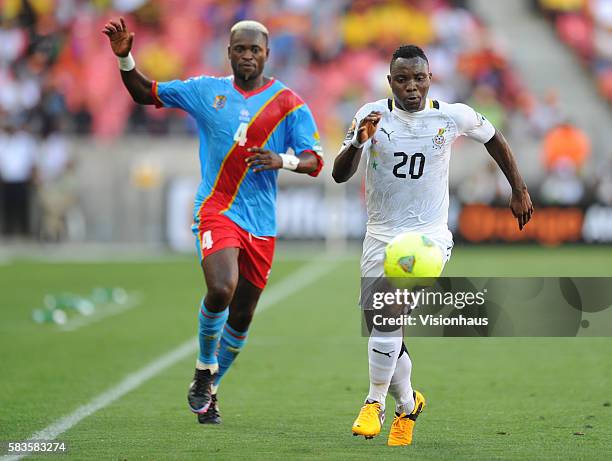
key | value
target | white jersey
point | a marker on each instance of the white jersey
(408, 166)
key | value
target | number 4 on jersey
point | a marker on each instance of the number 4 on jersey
(240, 136)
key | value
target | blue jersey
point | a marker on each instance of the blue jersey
(230, 121)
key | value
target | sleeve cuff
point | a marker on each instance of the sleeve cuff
(320, 163)
(155, 93)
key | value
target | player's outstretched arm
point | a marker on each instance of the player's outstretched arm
(520, 203)
(347, 160)
(121, 41)
(264, 159)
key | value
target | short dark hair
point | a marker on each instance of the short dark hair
(251, 26)
(408, 52)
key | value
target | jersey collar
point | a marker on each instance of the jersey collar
(404, 115)
(248, 94)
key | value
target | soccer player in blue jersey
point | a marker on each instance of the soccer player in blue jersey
(246, 123)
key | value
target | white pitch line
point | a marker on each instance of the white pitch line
(297, 280)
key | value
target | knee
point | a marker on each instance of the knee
(220, 294)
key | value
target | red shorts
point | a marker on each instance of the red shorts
(216, 231)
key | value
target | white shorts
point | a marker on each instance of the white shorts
(372, 261)
(373, 256)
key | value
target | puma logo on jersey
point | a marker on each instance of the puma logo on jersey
(387, 133)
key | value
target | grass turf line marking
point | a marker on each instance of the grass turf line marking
(104, 312)
(294, 282)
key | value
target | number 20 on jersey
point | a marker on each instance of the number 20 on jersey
(415, 169)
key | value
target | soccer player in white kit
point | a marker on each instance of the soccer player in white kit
(406, 141)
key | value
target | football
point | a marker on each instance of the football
(412, 255)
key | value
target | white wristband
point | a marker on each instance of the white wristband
(126, 63)
(290, 162)
(356, 143)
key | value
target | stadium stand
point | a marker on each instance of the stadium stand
(586, 27)
(59, 82)
(54, 61)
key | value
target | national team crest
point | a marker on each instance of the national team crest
(219, 102)
(439, 139)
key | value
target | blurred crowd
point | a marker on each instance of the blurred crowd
(57, 71)
(55, 61)
(37, 182)
(586, 26)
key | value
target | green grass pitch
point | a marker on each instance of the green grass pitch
(295, 390)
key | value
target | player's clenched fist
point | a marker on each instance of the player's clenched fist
(120, 39)
(263, 159)
(521, 207)
(367, 126)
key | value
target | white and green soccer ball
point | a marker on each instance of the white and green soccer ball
(413, 256)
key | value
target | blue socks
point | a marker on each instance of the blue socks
(232, 342)
(211, 324)
(219, 342)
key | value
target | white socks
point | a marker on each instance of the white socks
(383, 349)
(401, 387)
(388, 373)
(213, 367)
